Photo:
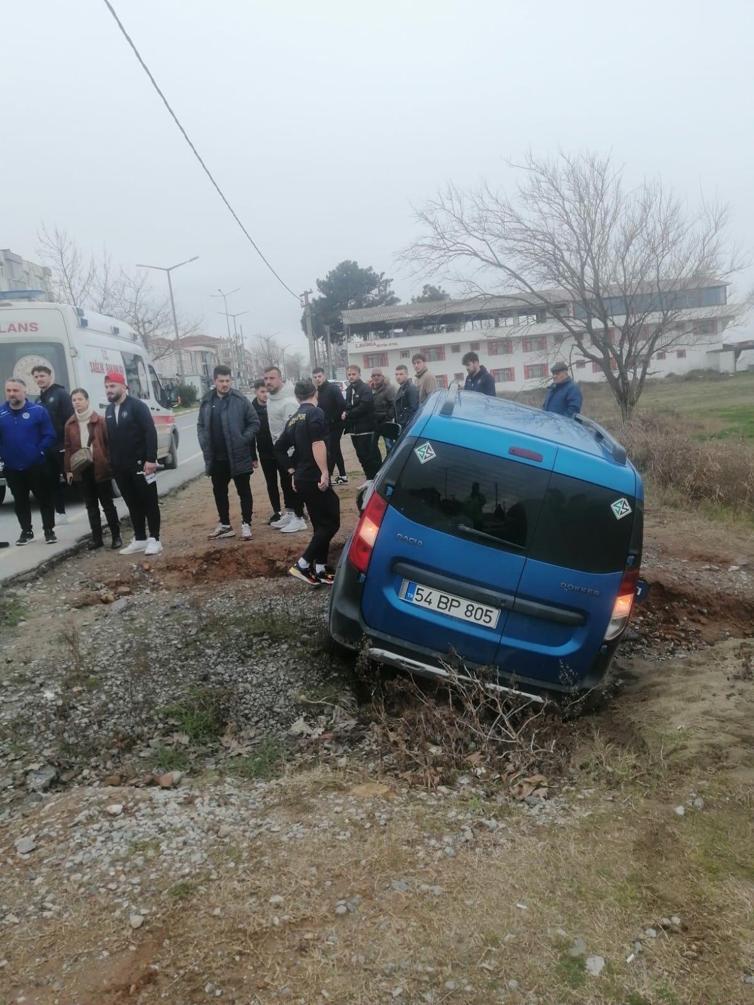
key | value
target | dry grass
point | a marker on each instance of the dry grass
(716, 471)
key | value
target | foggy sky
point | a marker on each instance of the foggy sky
(325, 123)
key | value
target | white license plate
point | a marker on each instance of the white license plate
(449, 603)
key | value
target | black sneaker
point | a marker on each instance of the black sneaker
(24, 537)
(327, 576)
(307, 575)
(341, 480)
(274, 518)
(117, 543)
(94, 545)
(50, 537)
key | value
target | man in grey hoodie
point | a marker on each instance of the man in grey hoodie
(281, 405)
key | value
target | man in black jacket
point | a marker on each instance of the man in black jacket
(305, 432)
(479, 378)
(226, 427)
(358, 416)
(406, 397)
(132, 442)
(330, 399)
(57, 401)
(264, 448)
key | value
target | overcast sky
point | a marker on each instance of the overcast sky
(325, 123)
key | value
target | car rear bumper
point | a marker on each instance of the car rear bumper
(348, 628)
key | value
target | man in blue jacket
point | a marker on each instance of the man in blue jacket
(479, 377)
(563, 395)
(26, 435)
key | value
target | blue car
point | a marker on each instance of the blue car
(495, 536)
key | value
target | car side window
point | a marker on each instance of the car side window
(157, 392)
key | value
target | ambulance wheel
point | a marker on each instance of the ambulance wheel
(171, 461)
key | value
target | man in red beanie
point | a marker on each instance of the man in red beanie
(132, 440)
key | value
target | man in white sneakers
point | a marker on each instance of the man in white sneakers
(226, 427)
(132, 441)
(281, 405)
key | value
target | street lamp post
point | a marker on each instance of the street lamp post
(237, 340)
(168, 269)
(225, 296)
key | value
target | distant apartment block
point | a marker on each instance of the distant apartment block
(17, 273)
(519, 342)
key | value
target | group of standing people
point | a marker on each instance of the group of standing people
(61, 438)
(293, 432)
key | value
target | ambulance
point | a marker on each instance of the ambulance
(80, 347)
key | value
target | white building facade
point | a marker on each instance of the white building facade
(518, 342)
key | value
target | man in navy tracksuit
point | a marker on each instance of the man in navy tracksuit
(563, 395)
(479, 377)
(26, 436)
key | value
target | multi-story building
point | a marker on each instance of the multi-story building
(518, 342)
(17, 273)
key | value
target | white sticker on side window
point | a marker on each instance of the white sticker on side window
(425, 452)
(620, 508)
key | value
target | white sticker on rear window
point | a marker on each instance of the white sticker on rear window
(620, 508)
(425, 453)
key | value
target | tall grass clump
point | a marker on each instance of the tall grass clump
(664, 449)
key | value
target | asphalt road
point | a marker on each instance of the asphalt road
(14, 561)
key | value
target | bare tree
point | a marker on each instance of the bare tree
(616, 266)
(101, 286)
(73, 276)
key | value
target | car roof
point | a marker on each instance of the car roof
(502, 413)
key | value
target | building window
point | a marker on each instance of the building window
(580, 364)
(596, 367)
(534, 343)
(442, 380)
(475, 347)
(705, 328)
(535, 371)
(505, 375)
(500, 347)
(405, 353)
(458, 377)
(455, 348)
(680, 354)
(660, 355)
(373, 359)
(433, 353)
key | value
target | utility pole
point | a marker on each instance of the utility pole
(308, 324)
(237, 341)
(328, 350)
(167, 270)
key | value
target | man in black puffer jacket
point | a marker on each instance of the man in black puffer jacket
(360, 421)
(226, 428)
(59, 407)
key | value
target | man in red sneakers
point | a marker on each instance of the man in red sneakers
(306, 433)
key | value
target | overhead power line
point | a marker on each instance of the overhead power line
(195, 152)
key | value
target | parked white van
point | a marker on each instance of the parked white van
(80, 347)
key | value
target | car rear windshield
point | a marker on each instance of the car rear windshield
(516, 507)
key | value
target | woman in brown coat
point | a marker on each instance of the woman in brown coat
(86, 428)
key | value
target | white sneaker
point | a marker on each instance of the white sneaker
(284, 520)
(153, 547)
(222, 530)
(245, 532)
(295, 524)
(133, 547)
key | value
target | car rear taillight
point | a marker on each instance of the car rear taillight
(623, 605)
(366, 532)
